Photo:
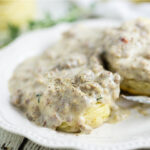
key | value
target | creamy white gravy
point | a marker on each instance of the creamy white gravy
(61, 83)
(127, 49)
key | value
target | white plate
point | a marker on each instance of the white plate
(133, 132)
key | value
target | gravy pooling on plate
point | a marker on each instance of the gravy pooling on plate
(66, 87)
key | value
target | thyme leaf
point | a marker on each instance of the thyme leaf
(99, 98)
(38, 97)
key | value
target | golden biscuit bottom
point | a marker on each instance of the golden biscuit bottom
(136, 87)
(94, 117)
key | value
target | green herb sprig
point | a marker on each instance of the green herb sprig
(74, 13)
(13, 33)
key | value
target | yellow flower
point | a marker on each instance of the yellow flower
(16, 12)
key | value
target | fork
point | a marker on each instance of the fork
(139, 99)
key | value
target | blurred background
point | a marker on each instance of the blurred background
(21, 16)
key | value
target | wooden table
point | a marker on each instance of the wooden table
(9, 141)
